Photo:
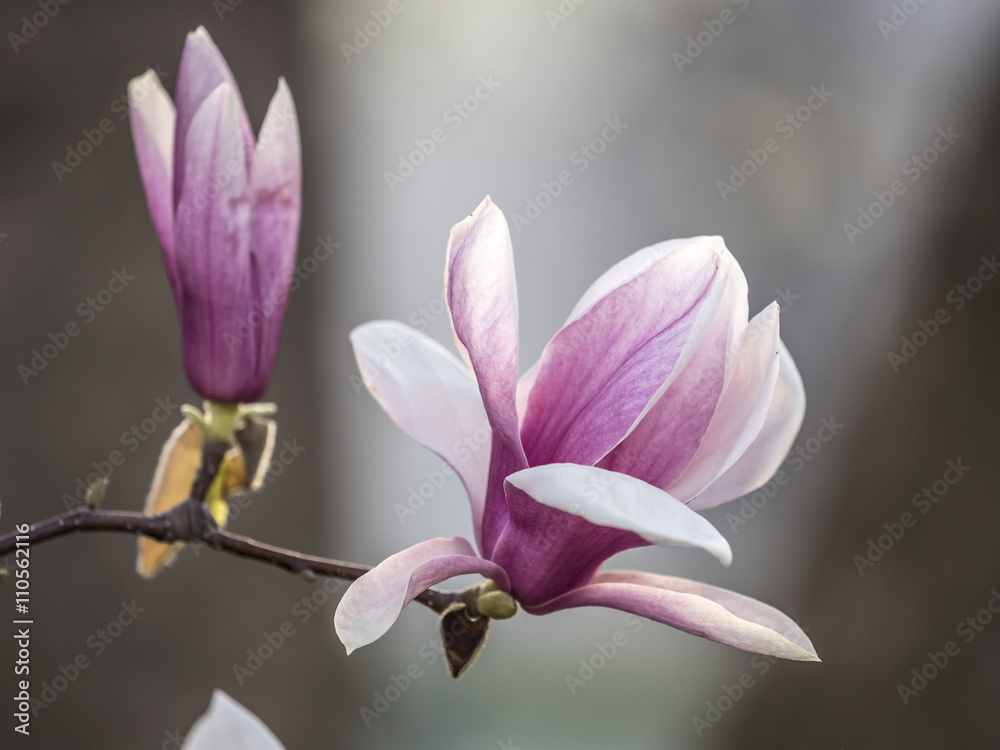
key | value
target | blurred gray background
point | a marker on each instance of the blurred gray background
(518, 88)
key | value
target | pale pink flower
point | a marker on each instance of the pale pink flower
(655, 400)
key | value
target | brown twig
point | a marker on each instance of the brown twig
(191, 522)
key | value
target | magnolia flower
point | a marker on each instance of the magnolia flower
(655, 400)
(226, 211)
(229, 726)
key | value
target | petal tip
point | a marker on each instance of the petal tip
(726, 558)
(806, 656)
(145, 79)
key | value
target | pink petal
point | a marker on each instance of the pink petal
(771, 446)
(663, 443)
(696, 608)
(276, 195)
(567, 519)
(547, 552)
(213, 255)
(635, 265)
(374, 601)
(201, 71)
(432, 397)
(603, 371)
(152, 118)
(482, 300)
(741, 410)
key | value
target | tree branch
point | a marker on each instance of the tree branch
(191, 522)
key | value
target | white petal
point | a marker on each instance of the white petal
(374, 601)
(772, 444)
(152, 118)
(432, 396)
(229, 726)
(742, 408)
(607, 498)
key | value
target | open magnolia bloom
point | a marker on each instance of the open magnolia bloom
(656, 399)
(229, 726)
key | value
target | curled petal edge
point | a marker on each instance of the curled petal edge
(770, 448)
(374, 601)
(706, 611)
